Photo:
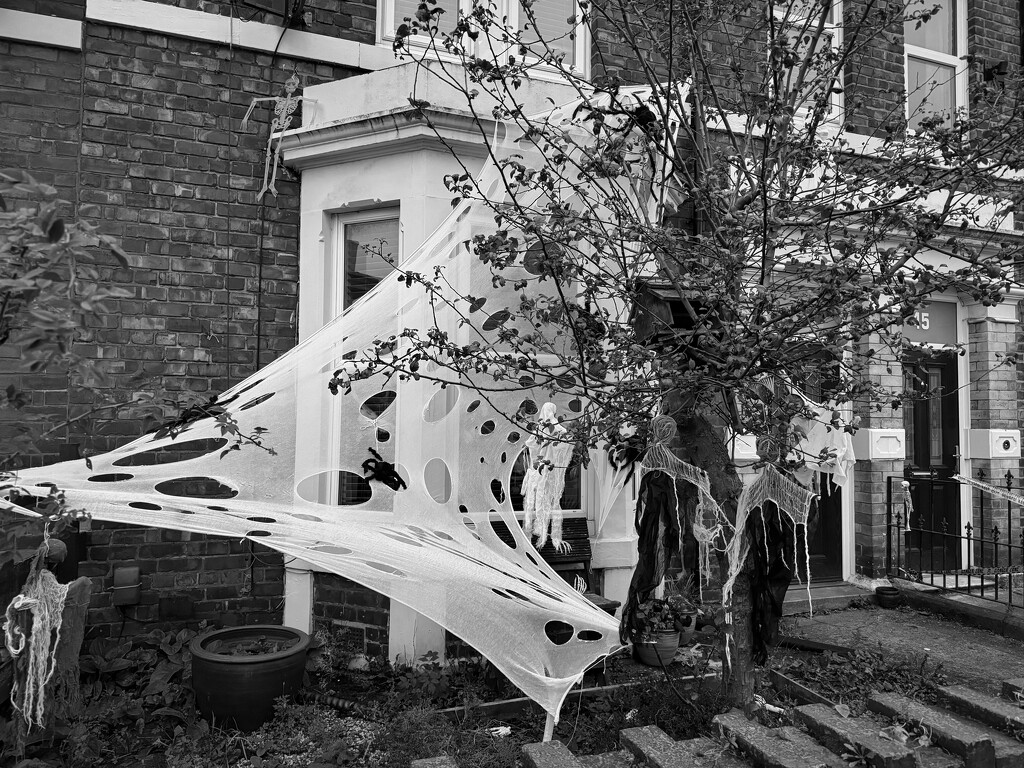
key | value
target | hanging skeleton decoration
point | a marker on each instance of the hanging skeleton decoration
(548, 457)
(284, 112)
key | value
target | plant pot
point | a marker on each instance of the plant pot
(236, 681)
(888, 597)
(687, 626)
(657, 650)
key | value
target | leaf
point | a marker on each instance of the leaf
(170, 712)
(842, 710)
(162, 675)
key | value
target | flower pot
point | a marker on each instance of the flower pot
(687, 626)
(238, 672)
(657, 650)
(888, 597)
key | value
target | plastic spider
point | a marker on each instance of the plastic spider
(383, 472)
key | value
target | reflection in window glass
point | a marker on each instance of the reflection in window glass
(369, 245)
(931, 88)
(551, 23)
(938, 33)
(406, 9)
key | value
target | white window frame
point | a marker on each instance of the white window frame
(387, 23)
(334, 267)
(835, 31)
(954, 60)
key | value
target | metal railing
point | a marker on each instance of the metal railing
(985, 558)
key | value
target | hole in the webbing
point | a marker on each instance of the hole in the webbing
(145, 505)
(383, 435)
(332, 549)
(256, 401)
(497, 320)
(576, 405)
(331, 488)
(261, 520)
(385, 568)
(218, 509)
(528, 407)
(310, 518)
(168, 454)
(589, 635)
(440, 404)
(196, 487)
(111, 477)
(438, 480)
(473, 406)
(509, 542)
(374, 406)
(498, 490)
(487, 427)
(463, 509)
(257, 533)
(559, 632)
(513, 437)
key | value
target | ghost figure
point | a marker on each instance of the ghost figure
(548, 456)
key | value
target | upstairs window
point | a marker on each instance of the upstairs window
(935, 74)
(799, 21)
(365, 247)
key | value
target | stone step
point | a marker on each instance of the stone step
(656, 749)
(444, 761)
(933, 757)
(622, 758)
(836, 732)
(978, 745)
(1013, 689)
(997, 713)
(550, 754)
(776, 747)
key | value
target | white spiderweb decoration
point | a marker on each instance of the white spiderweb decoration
(432, 546)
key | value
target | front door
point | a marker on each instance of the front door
(824, 535)
(931, 418)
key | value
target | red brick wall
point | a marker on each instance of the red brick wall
(353, 615)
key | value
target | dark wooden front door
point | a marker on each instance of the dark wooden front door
(931, 418)
(824, 535)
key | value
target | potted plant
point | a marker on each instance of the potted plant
(238, 672)
(659, 621)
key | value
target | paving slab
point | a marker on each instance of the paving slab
(776, 747)
(1013, 689)
(444, 761)
(658, 750)
(549, 754)
(835, 732)
(621, 758)
(997, 713)
(978, 745)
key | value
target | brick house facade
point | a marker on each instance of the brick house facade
(133, 111)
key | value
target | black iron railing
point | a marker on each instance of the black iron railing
(924, 541)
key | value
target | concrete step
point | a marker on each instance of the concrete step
(979, 745)
(997, 713)
(824, 597)
(444, 761)
(656, 749)
(836, 732)
(776, 747)
(550, 754)
(622, 758)
(1013, 689)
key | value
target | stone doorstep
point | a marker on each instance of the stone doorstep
(997, 713)
(980, 747)
(835, 732)
(550, 754)
(776, 747)
(655, 748)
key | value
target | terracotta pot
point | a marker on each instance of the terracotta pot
(238, 691)
(657, 650)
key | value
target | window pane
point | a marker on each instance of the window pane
(936, 34)
(931, 88)
(551, 21)
(406, 9)
(802, 9)
(365, 244)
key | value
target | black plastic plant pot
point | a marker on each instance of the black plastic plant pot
(238, 672)
(888, 597)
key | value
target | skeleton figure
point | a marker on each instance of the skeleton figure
(284, 110)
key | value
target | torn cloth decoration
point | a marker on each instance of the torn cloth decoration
(291, 477)
(825, 445)
(548, 458)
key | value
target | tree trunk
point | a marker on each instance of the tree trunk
(700, 442)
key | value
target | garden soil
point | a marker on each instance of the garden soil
(970, 656)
